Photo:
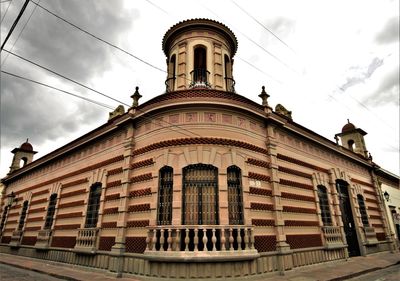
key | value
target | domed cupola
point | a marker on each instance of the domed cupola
(199, 55)
(22, 156)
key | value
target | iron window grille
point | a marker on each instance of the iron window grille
(164, 216)
(324, 206)
(200, 195)
(23, 215)
(363, 210)
(235, 202)
(50, 211)
(92, 213)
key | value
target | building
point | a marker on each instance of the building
(198, 182)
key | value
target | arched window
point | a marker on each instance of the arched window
(200, 195)
(23, 215)
(229, 82)
(165, 190)
(235, 202)
(350, 144)
(171, 74)
(200, 73)
(50, 211)
(92, 213)
(363, 210)
(324, 206)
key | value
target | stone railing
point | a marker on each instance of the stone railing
(86, 240)
(16, 238)
(43, 238)
(370, 235)
(333, 236)
(201, 241)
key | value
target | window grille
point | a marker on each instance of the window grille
(3, 218)
(50, 211)
(363, 210)
(235, 202)
(92, 213)
(165, 196)
(200, 197)
(324, 206)
(23, 215)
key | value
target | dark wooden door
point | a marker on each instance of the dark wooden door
(347, 218)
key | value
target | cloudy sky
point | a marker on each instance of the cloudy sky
(327, 61)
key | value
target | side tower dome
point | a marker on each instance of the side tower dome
(199, 55)
(22, 154)
(353, 138)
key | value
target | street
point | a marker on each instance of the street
(391, 273)
(11, 273)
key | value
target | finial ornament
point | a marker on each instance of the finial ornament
(264, 96)
(136, 96)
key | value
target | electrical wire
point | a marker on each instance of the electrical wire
(19, 35)
(5, 13)
(57, 89)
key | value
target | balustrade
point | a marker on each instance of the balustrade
(333, 236)
(210, 239)
(87, 239)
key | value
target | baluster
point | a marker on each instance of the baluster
(223, 239)
(196, 239)
(214, 240)
(246, 239)
(239, 239)
(187, 240)
(231, 239)
(177, 240)
(162, 240)
(251, 238)
(205, 239)
(169, 239)
(148, 241)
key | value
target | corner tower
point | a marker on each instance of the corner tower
(22, 154)
(353, 138)
(199, 55)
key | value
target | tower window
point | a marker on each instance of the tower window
(50, 211)
(200, 73)
(165, 196)
(350, 144)
(235, 202)
(92, 213)
(324, 206)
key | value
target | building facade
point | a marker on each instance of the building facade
(199, 182)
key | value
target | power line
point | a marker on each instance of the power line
(57, 89)
(20, 33)
(263, 26)
(158, 7)
(256, 68)
(98, 38)
(15, 23)
(63, 76)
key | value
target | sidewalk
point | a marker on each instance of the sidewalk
(332, 271)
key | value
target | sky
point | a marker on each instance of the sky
(326, 61)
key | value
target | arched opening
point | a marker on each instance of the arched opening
(229, 82)
(92, 213)
(235, 202)
(23, 215)
(23, 162)
(324, 206)
(200, 73)
(164, 216)
(170, 83)
(350, 144)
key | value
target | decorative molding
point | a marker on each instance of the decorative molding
(260, 191)
(141, 164)
(144, 177)
(293, 196)
(301, 163)
(259, 163)
(296, 184)
(140, 193)
(260, 177)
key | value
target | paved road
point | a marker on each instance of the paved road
(391, 273)
(11, 273)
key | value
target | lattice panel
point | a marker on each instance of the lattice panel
(135, 244)
(63, 242)
(304, 241)
(262, 222)
(140, 192)
(112, 224)
(265, 243)
(261, 206)
(138, 223)
(381, 236)
(6, 239)
(106, 243)
(28, 240)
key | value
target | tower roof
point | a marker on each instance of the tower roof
(348, 127)
(199, 23)
(26, 146)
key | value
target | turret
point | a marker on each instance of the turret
(22, 156)
(353, 138)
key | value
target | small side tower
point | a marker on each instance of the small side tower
(352, 138)
(22, 154)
